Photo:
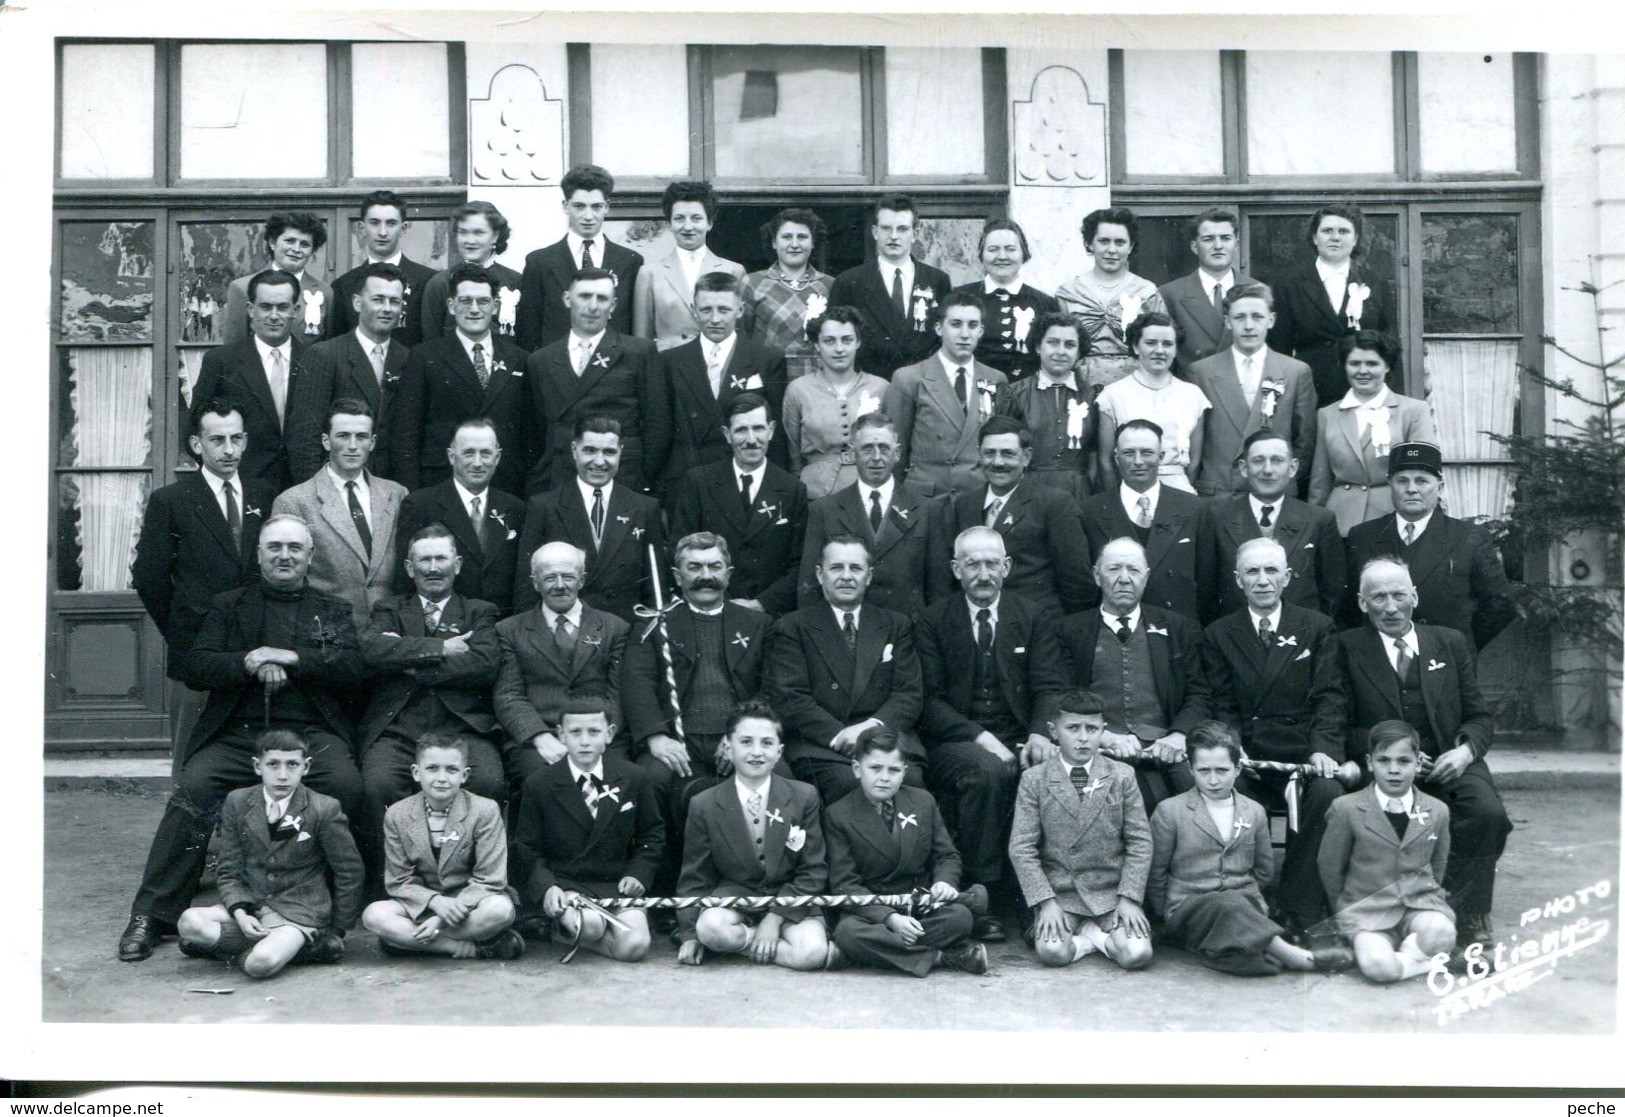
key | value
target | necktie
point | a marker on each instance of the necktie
(1402, 660)
(234, 518)
(589, 794)
(849, 630)
(753, 808)
(279, 384)
(273, 811)
(1080, 781)
(993, 511)
(888, 813)
(431, 616)
(1264, 632)
(1218, 299)
(1410, 534)
(479, 365)
(1002, 294)
(713, 369)
(1124, 631)
(586, 253)
(378, 363)
(960, 387)
(360, 518)
(1144, 518)
(744, 491)
(984, 629)
(583, 352)
(477, 520)
(874, 510)
(562, 636)
(1266, 517)
(1249, 380)
(897, 292)
(597, 517)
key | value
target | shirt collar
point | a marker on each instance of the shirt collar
(993, 610)
(951, 368)
(1225, 281)
(722, 348)
(990, 285)
(717, 612)
(756, 475)
(367, 343)
(586, 493)
(1258, 505)
(338, 482)
(1131, 499)
(694, 256)
(885, 489)
(1110, 618)
(1409, 640)
(1241, 358)
(886, 269)
(596, 772)
(574, 614)
(1421, 525)
(465, 495)
(991, 496)
(579, 342)
(1375, 403)
(576, 242)
(281, 805)
(1274, 619)
(1407, 800)
(840, 615)
(427, 604)
(286, 349)
(215, 482)
(745, 793)
(1326, 270)
(395, 259)
(1070, 383)
(488, 346)
(1070, 768)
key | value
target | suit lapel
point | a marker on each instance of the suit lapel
(736, 827)
(455, 518)
(257, 825)
(598, 366)
(208, 511)
(617, 522)
(1280, 653)
(1227, 387)
(1204, 821)
(871, 646)
(1200, 310)
(1374, 663)
(1430, 651)
(1430, 549)
(1374, 820)
(456, 824)
(336, 511)
(252, 371)
(935, 383)
(589, 640)
(383, 506)
(1164, 531)
(868, 824)
(774, 833)
(541, 638)
(567, 793)
(359, 368)
(905, 511)
(1317, 295)
(827, 638)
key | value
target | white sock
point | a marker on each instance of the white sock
(1089, 940)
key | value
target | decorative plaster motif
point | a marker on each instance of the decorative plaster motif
(1060, 134)
(516, 131)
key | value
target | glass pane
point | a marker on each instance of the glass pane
(1470, 273)
(1320, 113)
(1278, 243)
(107, 110)
(1163, 251)
(1467, 117)
(934, 111)
(107, 280)
(788, 112)
(106, 407)
(1473, 386)
(426, 240)
(97, 523)
(400, 82)
(213, 253)
(1172, 113)
(632, 132)
(255, 111)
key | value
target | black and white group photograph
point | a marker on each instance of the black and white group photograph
(676, 542)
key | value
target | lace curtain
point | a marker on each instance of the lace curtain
(1473, 388)
(111, 400)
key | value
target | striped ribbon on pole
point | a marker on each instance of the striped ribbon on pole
(657, 620)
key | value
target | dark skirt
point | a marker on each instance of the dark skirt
(1227, 930)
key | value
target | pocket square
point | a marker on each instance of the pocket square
(885, 654)
(1305, 654)
(1020, 651)
(1187, 539)
(626, 807)
(304, 836)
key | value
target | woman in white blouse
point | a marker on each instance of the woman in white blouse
(1152, 392)
(1353, 435)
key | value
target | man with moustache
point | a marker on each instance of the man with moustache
(363, 363)
(1196, 301)
(277, 654)
(198, 539)
(468, 373)
(485, 522)
(895, 294)
(758, 509)
(383, 223)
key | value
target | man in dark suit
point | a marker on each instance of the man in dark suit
(1423, 675)
(559, 650)
(1145, 663)
(839, 666)
(1260, 665)
(1460, 580)
(717, 649)
(896, 295)
(542, 318)
(198, 538)
(989, 659)
(759, 509)
(485, 522)
(432, 654)
(1196, 301)
(1267, 510)
(1042, 527)
(383, 221)
(1167, 523)
(363, 363)
(906, 530)
(710, 372)
(276, 654)
(265, 377)
(1337, 294)
(468, 372)
(611, 523)
(596, 370)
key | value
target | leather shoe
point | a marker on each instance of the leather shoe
(323, 950)
(988, 929)
(140, 938)
(1475, 928)
(196, 949)
(505, 946)
(536, 928)
(1333, 959)
(967, 957)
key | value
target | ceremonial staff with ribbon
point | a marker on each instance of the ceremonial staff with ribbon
(657, 620)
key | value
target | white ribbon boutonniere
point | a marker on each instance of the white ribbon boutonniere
(1023, 316)
(1243, 824)
(775, 817)
(1286, 641)
(637, 533)
(1358, 293)
(250, 510)
(593, 641)
(766, 509)
(600, 360)
(866, 402)
(1272, 391)
(290, 822)
(1419, 816)
(508, 312)
(1155, 631)
(816, 305)
(1094, 785)
(902, 513)
(795, 839)
(904, 821)
(447, 839)
(1128, 309)
(503, 520)
(741, 640)
(391, 379)
(1435, 665)
(751, 383)
(623, 519)
(501, 366)
(986, 390)
(1077, 410)
(610, 792)
(313, 311)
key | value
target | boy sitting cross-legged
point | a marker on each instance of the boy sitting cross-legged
(279, 843)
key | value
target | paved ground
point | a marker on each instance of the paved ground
(96, 841)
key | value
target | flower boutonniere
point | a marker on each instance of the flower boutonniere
(795, 839)
(1271, 392)
(508, 312)
(614, 276)
(925, 300)
(1358, 293)
(866, 402)
(313, 301)
(816, 305)
(1023, 316)
(1435, 665)
(986, 390)
(1077, 410)
(1128, 307)
(904, 821)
